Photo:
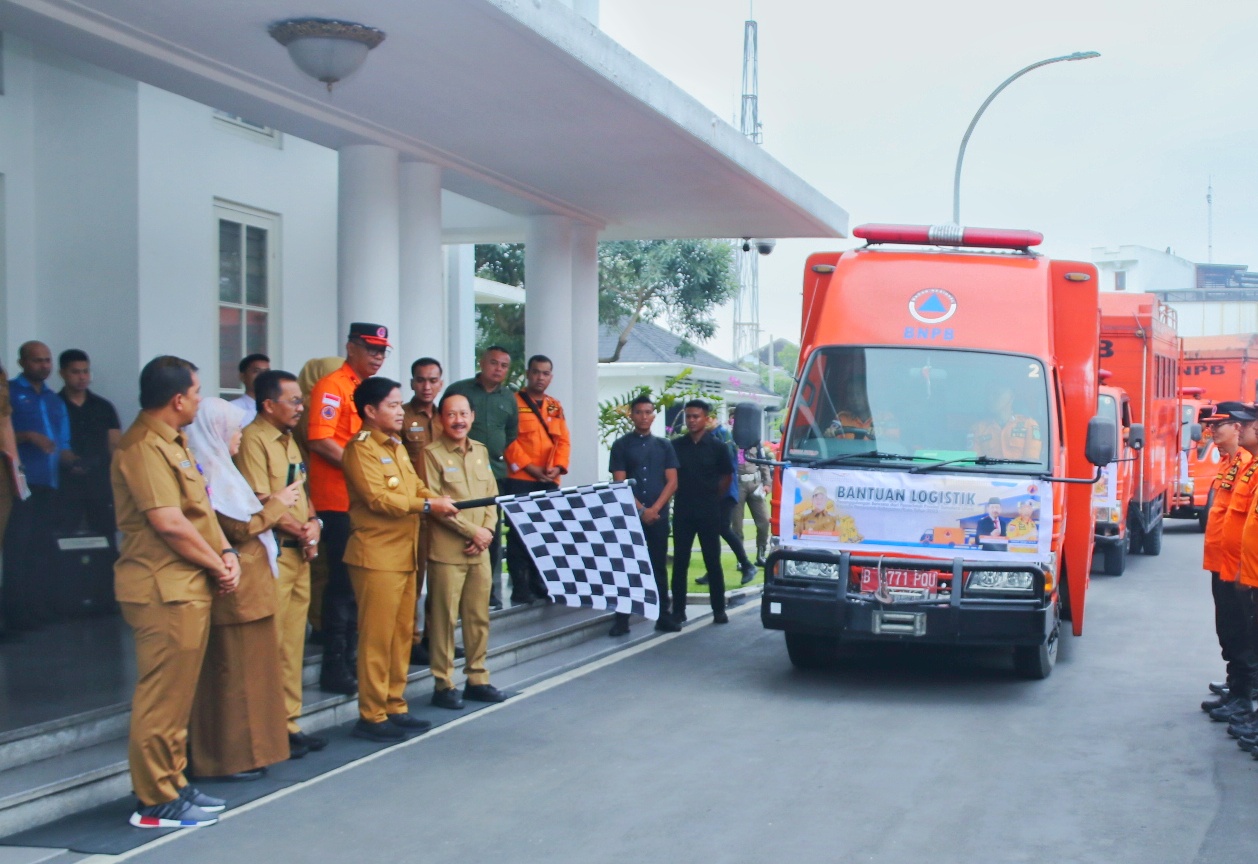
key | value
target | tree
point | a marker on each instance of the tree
(680, 281)
(502, 323)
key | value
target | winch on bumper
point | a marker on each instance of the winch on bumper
(918, 600)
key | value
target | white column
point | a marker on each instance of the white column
(421, 292)
(367, 241)
(583, 411)
(548, 298)
(460, 359)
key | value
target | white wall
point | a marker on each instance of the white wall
(1147, 269)
(17, 232)
(187, 160)
(1216, 317)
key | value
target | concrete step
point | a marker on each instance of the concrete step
(77, 763)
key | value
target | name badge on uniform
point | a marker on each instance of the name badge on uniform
(452, 468)
(185, 464)
(387, 460)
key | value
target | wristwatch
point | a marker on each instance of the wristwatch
(229, 551)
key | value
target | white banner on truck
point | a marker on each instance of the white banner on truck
(980, 518)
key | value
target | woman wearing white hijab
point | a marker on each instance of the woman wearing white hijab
(239, 721)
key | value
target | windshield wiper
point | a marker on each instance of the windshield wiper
(977, 460)
(868, 454)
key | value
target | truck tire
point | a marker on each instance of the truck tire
(1036, 662)
(1135, 536)
(1204, 515)
(810, 652)
(1153, 539)
(1115, 559)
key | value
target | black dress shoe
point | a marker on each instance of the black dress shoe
(296, 749)
(666, 624)
(759, 560)
(495, 605)
(313, 743)
(749, 572)
(702, 580)
(409, 722)
(459, 653)
(448, 699)
(1218, 688)
(1233, 709)
(1245, 726)
(1247, 744)
(620, 627)
(719, 617)
(1213, 704)
(383, 732)
(483, 693)
(238, 777)
(522, 601)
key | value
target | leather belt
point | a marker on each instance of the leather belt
(290, 544)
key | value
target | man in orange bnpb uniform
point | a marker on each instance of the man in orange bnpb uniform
(1007, 435)
(333, 422)
(536, 459)
(1245, 727)
(1229, 623)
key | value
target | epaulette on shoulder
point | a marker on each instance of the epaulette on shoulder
(362, 436)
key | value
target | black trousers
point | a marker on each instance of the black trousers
(495, 553)
(1232, 630)
(1247, 602)
(526, 581)
(692, 520)
(727, 531)
(340, 609)
(657, 550)
(26, 589)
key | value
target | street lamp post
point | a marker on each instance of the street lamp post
(956, 180)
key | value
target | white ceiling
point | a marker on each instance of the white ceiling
(529, 107)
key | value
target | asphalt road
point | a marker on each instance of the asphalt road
(708, 746)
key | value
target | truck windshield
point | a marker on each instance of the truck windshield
(1107, 407)
(921, 404)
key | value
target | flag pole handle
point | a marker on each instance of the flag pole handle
(489, 502)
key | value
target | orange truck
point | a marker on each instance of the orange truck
(1111, 496)
(1224, 367)
(939, 448)
(1198, 458)
(1140, 347)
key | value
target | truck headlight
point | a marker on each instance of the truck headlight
(811, 569)
(994, 581)
(1101, 514)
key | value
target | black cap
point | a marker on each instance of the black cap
(372, 334)
(1226, 412)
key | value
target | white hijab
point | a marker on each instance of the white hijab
(210, 435)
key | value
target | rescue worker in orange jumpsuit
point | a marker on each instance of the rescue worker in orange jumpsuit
(1006, 434)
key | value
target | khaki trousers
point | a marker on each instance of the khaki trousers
(170, 640)
(421, 621)
(318, 579)
(386, 618)
(458, 591)
(293, 595)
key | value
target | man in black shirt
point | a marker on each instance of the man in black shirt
(86, 495)
(703, 476)
(651, 463)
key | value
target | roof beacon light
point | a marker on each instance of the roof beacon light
(949, 235)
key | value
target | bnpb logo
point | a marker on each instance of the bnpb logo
(932, 305)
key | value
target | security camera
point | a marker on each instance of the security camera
(746, 244)
(764, 245)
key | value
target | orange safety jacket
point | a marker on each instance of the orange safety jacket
(1223, 484)
(534, 446)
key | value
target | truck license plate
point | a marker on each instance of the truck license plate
(921, 580)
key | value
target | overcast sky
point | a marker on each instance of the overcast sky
(868, 102)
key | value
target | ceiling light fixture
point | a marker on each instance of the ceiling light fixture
(326, 50)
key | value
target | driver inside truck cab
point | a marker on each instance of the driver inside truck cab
(1005, 434)
(854, 419)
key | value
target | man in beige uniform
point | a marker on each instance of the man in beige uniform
(173, 556)
(386, 497)
(420, 424)
(458, 556)
(270, 462)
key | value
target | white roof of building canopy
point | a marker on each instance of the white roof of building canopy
(530, 108)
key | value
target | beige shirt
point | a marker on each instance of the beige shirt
(462, 474)
(152, 468)
(419, 429)
(386, 497)
(268, 458)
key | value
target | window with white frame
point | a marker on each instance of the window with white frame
(248, 289)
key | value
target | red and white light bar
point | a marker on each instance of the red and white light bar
(949, 235)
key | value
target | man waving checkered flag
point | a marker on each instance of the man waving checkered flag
(587, 543)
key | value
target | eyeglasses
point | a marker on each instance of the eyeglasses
(372, 350)
(295, 402)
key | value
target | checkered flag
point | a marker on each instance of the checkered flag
(588, 545)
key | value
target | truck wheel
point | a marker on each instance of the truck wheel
(810, 652)
(1036, 662)
(1135, 536)
(1203, 515)
(1115, 559)
(1153, 539)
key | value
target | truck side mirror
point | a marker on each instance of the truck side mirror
(1194, 432)
(1099, 448)
(748, 421)
(1135, 436)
